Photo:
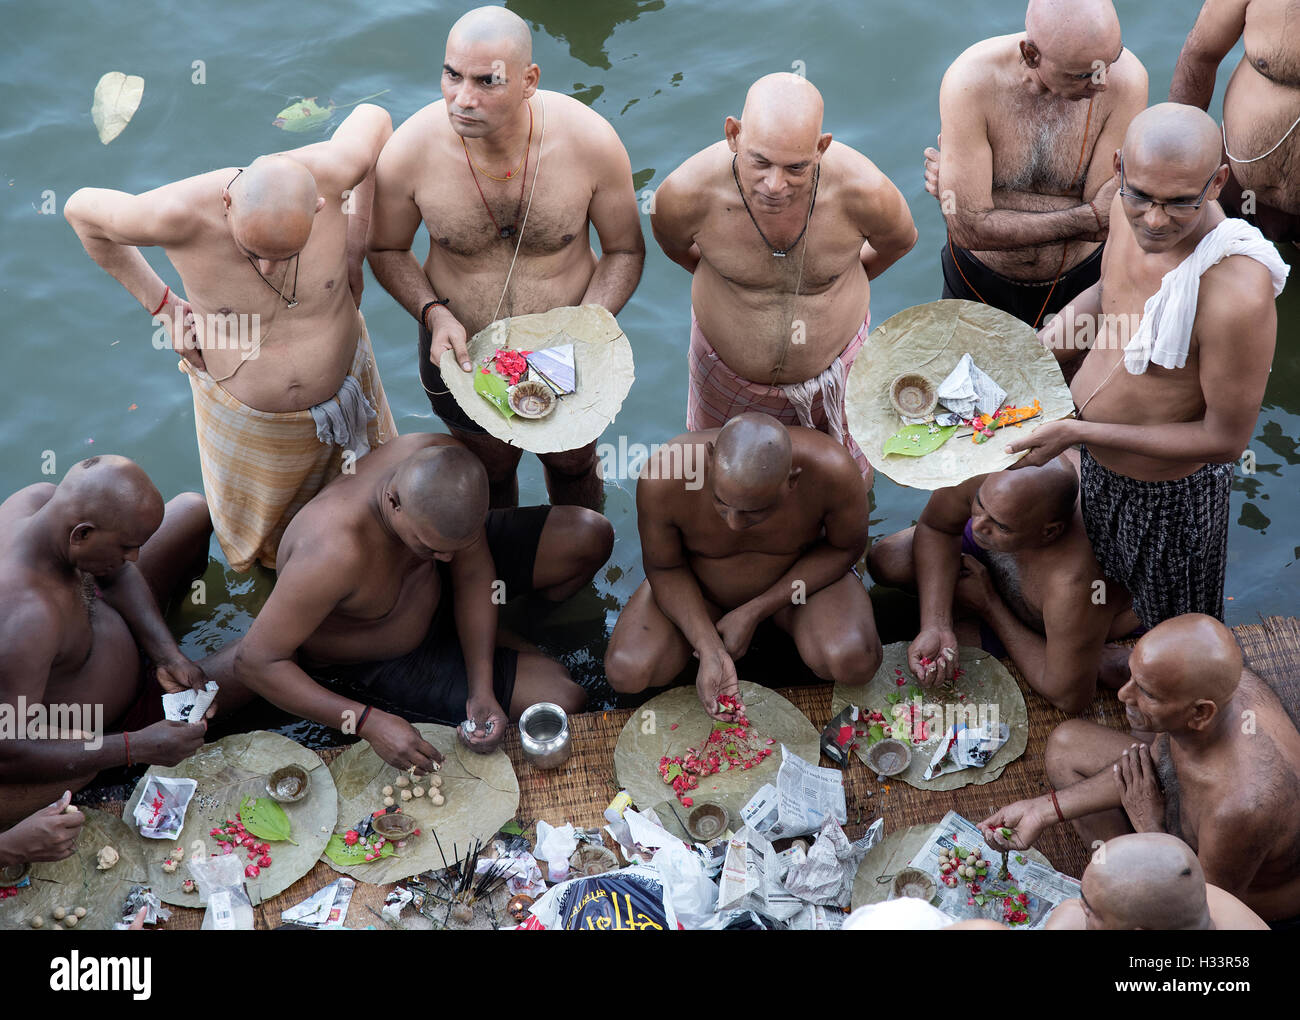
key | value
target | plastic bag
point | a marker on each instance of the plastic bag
(624, 900)
(221, 883)
(693, 896)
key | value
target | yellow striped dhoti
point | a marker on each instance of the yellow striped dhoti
(261, 467)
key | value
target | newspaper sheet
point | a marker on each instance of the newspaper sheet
(1043, 887)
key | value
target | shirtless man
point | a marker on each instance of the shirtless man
(388, 590)
(270, 258)
(1222, 773)
(1150, 881)
(768, 527)
(1261, 107)
(84, 567)
(508, 180)
(1010, 547)
(782, 230)
(1029, 122)
(1160, 436)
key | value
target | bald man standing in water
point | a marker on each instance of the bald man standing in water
(782, 230)
(388, 591)
(84, 569)
(1262, 102)
(1222, 772)
(1029, 122)
(286, 391)
(1150, 881)
(749, 522)
(508, 180)
(1182, 327)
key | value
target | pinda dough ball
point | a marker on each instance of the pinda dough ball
(387, 791)
(389, 802)
(417, 791)
(406, 795)
(438, 800)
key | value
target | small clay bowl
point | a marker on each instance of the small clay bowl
(913, 883)
(394, 825)
(13, 874)
(707, 821)
(912, 395)
(288, 785)
(520, 907)
(592, 860)
(889, 757)
(532, 399)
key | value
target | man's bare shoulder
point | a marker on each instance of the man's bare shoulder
(980, 64)
(1127, 77)
(26, 501)
(695, 182)
(826, 460)
(674, 470)
(1237, 290)
(415, 133)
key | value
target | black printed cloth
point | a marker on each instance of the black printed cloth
(1167, 542)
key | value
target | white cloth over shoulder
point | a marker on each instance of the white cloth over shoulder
(1169, 314)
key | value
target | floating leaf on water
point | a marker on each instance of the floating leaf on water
(265, 819)
(305, 114)
(917, 440)
(117, 97)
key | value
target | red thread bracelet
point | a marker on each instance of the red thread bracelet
(1056, 804)
(362, 721)
(1093, 206)
(127, 741)
(163, 302)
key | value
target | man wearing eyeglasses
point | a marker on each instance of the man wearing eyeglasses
(286, 391)
(1261, 107)
(1179, 336)
(1024, 180)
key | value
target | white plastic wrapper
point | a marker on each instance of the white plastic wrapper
(686, 884)
(969, 389)
(190, 705)
(221, 882)
(555, 847)
(160, 813)
(965, 747)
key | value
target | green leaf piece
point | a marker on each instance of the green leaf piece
(917, 440)
(346, 856)
(305, 114)
(512, 828)
(492, 388)
(265, 819)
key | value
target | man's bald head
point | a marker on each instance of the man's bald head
(1148, 880)
(1173, 137)
(1064, 28)
(1194, 652)
(783, 107)
(1035, 503)
(505, 31)
(271, 207)
(112, 493)
(753, 452)
(445, 489)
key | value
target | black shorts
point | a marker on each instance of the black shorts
(1021, 298)
(431, 683)
(440, 398)
(1166, 542)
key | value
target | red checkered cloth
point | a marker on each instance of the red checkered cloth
(716, 394)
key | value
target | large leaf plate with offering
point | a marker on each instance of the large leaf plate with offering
(480, 793)
(232, 775)
(602, 374)
(984, 691)
(929, 340)
(76, 881)
(672, 723)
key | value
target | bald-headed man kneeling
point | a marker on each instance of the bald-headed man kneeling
(1011, 548)
(388, 589)
(84, 568)
(1150, 881)
(752, 521)
(1222, 773)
